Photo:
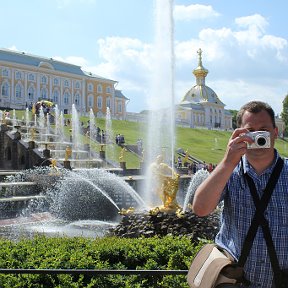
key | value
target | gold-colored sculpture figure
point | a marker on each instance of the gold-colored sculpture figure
(166, 184)
(54, 168)
(68, 153)
(122, 155)
(32, 131)
(124, 211)
(186, 158)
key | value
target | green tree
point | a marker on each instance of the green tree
(284, 114)
(234, 114)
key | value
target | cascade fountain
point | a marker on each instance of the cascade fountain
(85, 197)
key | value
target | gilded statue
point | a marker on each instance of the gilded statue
(165, 183)
(68, 153)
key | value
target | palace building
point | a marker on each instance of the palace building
(26, 79)
(201, 107)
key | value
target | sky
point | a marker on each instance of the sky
(244, 44)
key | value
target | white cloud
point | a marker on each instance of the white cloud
(253, 22)
(193, 12)
(13, 48)
(241, 61)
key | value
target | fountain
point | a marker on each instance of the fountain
(92, 197)
(161, 126)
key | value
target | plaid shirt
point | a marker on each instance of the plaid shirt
(236, 218)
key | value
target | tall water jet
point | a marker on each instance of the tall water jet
(92, 129)
(109, 136)
(76, 135)
(161, 126)
(14, 120)
(41, 123)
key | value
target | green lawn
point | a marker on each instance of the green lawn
(204, 144)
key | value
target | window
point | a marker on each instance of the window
(18, 75)
(108, 89)
(77, 99)
(31, 93)
(5, 89)
(108, 102)
(44, 80)
(56, 81)
(90, 87)
(90, 101)
(99, 88)
(55, 96)
(77, 85)
(66, 83)
(66, 97)
(5, 72)
(99, 102)
(18, 91)
(44, 93)
(31, 77)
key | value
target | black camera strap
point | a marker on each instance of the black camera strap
(260, 220)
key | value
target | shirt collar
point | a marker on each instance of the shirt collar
(247, 168)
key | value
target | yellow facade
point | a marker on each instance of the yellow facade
(25, 79)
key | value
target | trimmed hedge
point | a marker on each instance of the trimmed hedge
(41, 252)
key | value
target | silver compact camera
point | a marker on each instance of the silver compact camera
(261, 139)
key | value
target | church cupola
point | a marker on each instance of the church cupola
(200, 72)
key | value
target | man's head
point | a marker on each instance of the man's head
(255, 107)
(258, 116)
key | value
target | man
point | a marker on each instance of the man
(227, 183)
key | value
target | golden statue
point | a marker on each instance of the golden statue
(124, 211)
(68, 153)
(122, 155)
(166, 184)
(102, 147)
(32, 131)
(54, 168)
(186, 158)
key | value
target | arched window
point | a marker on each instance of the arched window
(90, 101)
(5, 89)
(55, 96)
(31, 77)
(5, 73)
(108, 102)
(18, 91)
(18, 75)
(66, 83)
(77, 85)
(99, 88)
(44, 80)
(108, 89)
(31, 93)
(44, 93)
(99, 102)
(66, 97)
(90, 87)
(77, 99)
(56, 81)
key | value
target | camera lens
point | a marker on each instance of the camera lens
(261, 141)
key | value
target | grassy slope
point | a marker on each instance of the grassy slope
(207, 145)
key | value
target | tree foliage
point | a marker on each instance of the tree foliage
(284, 114)
(234, 115)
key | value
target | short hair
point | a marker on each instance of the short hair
(255, 107)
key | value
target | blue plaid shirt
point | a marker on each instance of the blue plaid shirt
(236, 218)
